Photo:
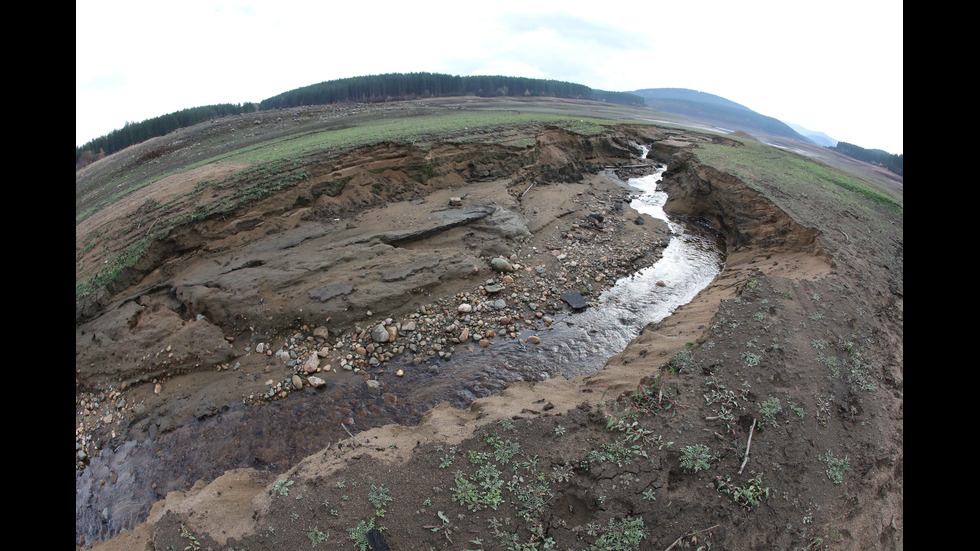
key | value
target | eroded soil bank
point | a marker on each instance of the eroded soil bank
(188, 332)
(234, 313)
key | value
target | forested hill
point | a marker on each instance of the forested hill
(400, 86)
(893, 162)
(715, 110)
(136, 132)
(363, 89)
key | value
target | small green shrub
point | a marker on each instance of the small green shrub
(836, 466)
(618, 535)
(769, 409)
(696, 458)
(358, 534)
(748, 495)
(682, 360)
(379, 496)
(316, 536)
(282, 486)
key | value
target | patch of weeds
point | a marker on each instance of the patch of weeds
(751, 360)
(559, 430)
(316, 536)
(798, 410)
(112, 269)
(193, 544)
(836, 466)
(652, 399)
(829, 361)
(617, 535)
(817, 541)
(853, 367)
(682, 360)
(769, 409)
(282, 486)
(860, 371)
(448, 459)
(445, 527)
(533, 494)
(635, 434)
(562, 472)
(696, 458)
(748, 495)
(503, 450)
(379, 496)
(823, 409)
(480, 491)
(358, 534)
(728, 402)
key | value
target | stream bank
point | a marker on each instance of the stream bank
(569, 344)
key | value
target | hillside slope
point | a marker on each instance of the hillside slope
(766, 413)
(717, 111)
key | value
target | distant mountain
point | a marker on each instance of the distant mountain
(818, 138)
(716, 111)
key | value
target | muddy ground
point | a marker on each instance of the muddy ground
(794, 352)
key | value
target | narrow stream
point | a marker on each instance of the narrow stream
(117, 489)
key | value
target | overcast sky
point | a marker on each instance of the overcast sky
(831, 66)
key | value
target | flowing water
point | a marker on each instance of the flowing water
(117, 489)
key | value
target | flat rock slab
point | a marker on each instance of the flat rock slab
(444, 220)
(574, 299)
(398, 273)
(331, 290)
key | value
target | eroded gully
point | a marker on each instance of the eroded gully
(119, 486)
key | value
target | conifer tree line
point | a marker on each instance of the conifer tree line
(878, 157)
(402, 86)
(363, 89)
(136, 132)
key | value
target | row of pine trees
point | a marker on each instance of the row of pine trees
(363, 89)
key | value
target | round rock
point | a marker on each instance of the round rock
(380, 333)
(501, 265)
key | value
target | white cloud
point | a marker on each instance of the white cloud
(832, 66)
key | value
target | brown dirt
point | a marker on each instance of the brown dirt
(796, 316)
